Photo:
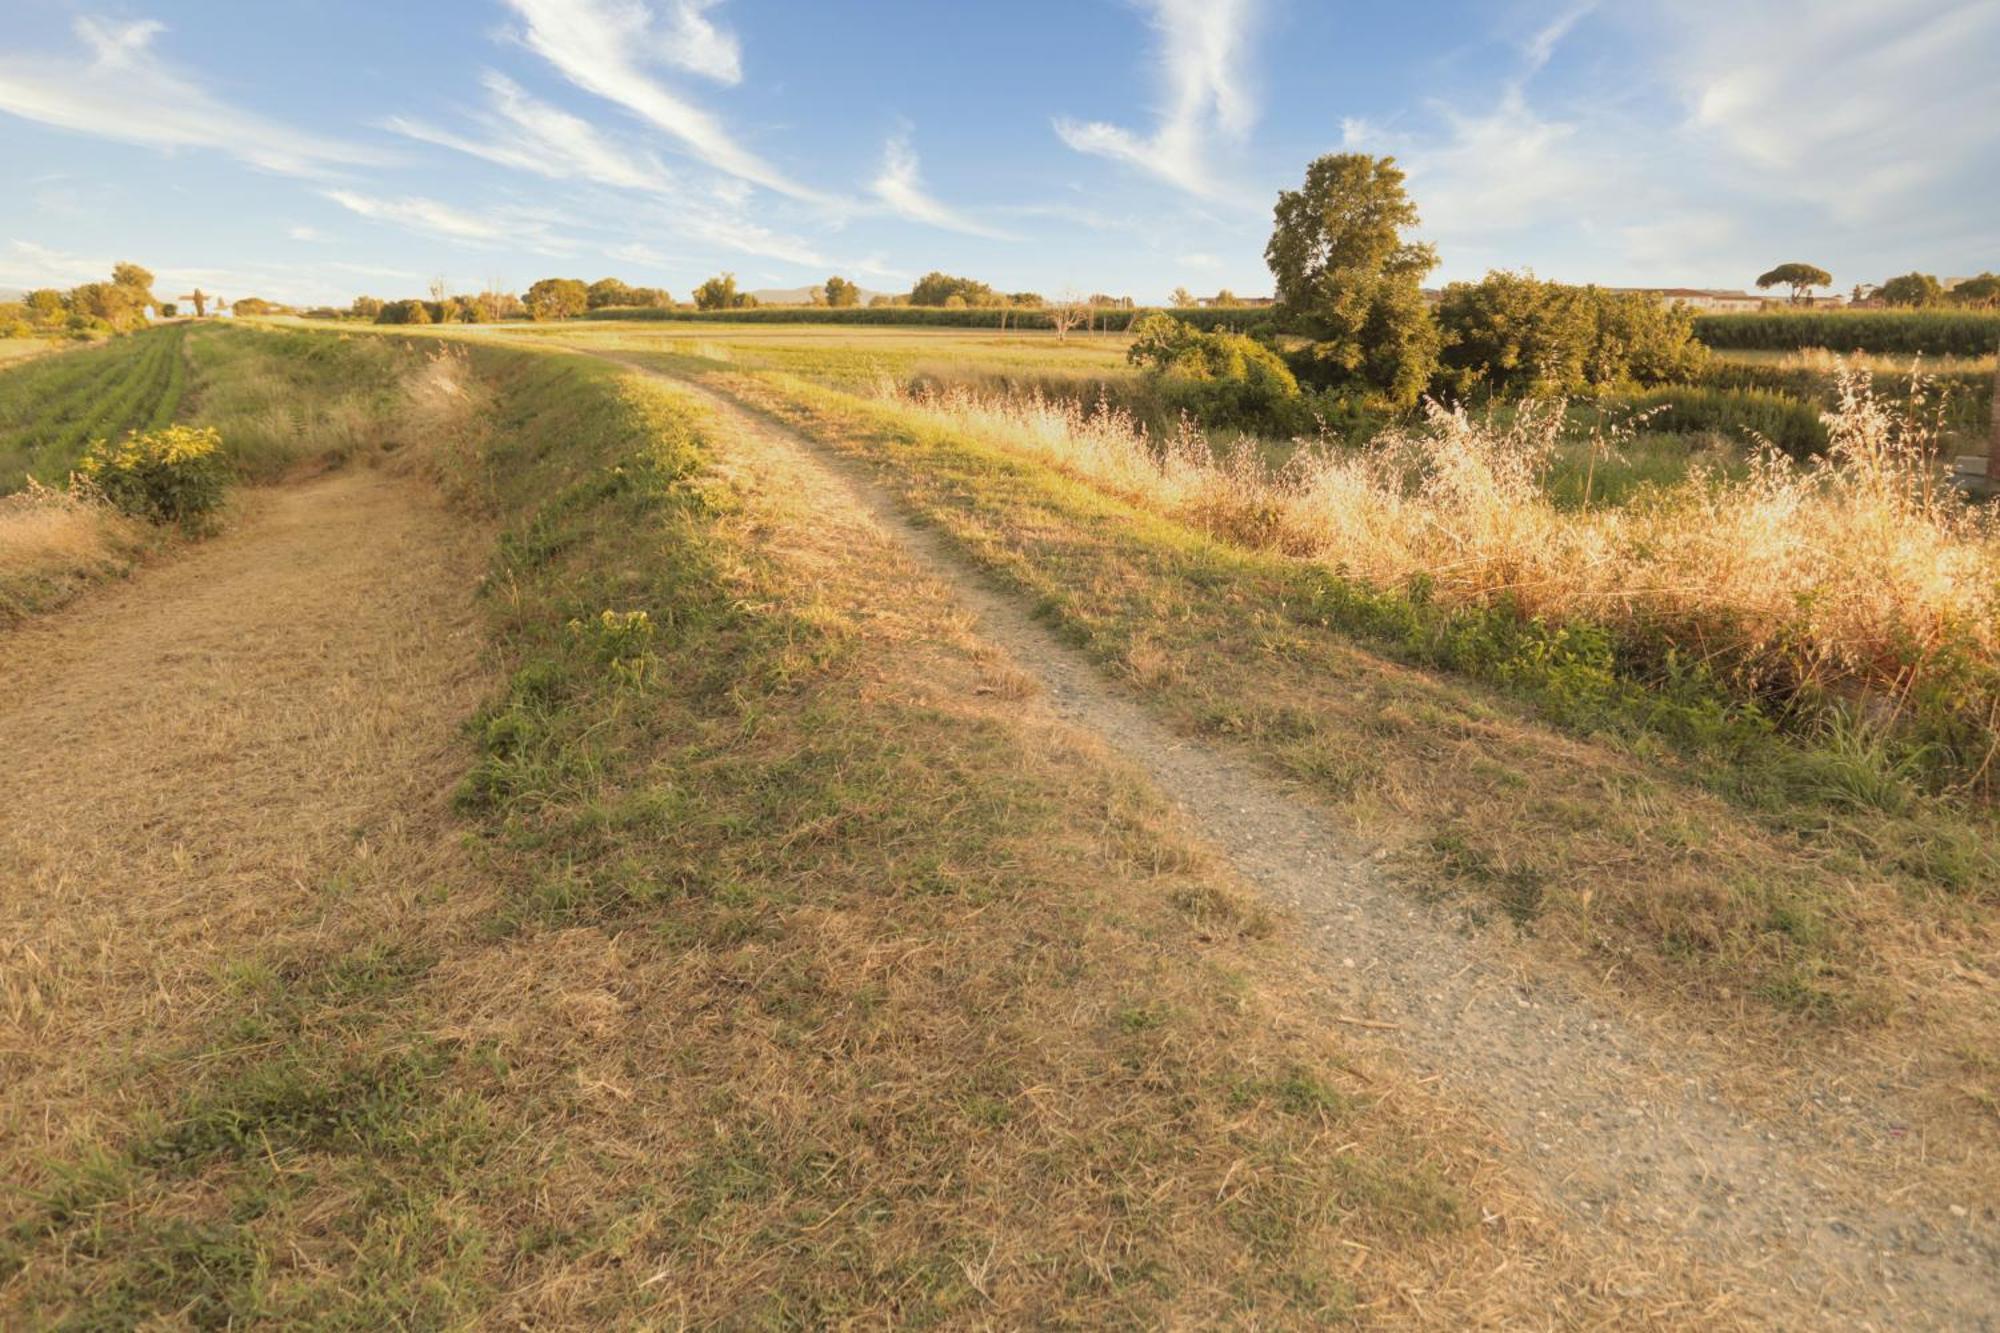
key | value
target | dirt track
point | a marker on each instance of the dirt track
(1624, 1130)
(194, 767)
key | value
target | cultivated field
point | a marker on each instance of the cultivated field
(689, 822)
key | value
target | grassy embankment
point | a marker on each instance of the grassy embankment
(1663, 831)
(794, 979)
(281, 400)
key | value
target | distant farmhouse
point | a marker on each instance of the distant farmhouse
(1700, 298)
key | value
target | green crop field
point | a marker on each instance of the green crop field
(1931, 332)
(51, 408)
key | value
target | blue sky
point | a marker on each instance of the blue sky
(311, 150)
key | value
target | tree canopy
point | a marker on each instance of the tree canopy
(1911, 289)
(1801, 278)
(1513, 333)
(937, 289)
(1348, 280)
(1981, 292)
(719, 293)
(558, 298)
(609, 291)
(840, 292)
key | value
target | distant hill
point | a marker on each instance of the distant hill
(12, 293)
(800, 295)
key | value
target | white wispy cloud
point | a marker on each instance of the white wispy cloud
(519, 227)
(527, 134)
(698, 46)
(304, 233)
(725, 229)
(901, 187)
(1871, 106)
(1508, 166)
(121, 89)
(1874, 142)
(607, 48)
(1204, 50)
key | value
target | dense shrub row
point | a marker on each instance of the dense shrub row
(1113, 319)
(1517, 335)
(1929, 332)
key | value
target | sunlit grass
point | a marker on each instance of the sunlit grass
(1855, 573)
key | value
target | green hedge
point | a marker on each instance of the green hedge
(1929, 332)
(1245, 318)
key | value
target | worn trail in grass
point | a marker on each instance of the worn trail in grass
(1620, 1122)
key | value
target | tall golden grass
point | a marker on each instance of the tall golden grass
(53, 542)
(1858, 572)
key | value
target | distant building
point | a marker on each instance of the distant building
(1700, 298)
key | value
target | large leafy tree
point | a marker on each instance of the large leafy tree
(719, 293)
(938, 288)
(47, 306)
(841, 292)
(137, 282)
(1912, 289)
(558, 298)
(609, 291)
(107, 303)
(1349, 281)
(1801, 278)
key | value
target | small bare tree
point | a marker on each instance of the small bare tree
(1066, 313)
(438, 288)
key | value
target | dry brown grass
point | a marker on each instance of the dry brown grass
(1749, 921)
(955, 1023)
(55, 543)
(198, 764)
(1858, 571)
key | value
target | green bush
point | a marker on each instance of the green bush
(1517, 335)
(1925, 332)
(1221, 379)
(174, 475)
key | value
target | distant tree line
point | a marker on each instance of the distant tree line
(117, 306)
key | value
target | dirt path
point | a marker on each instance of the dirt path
(1624, 1130)
(206, 764)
